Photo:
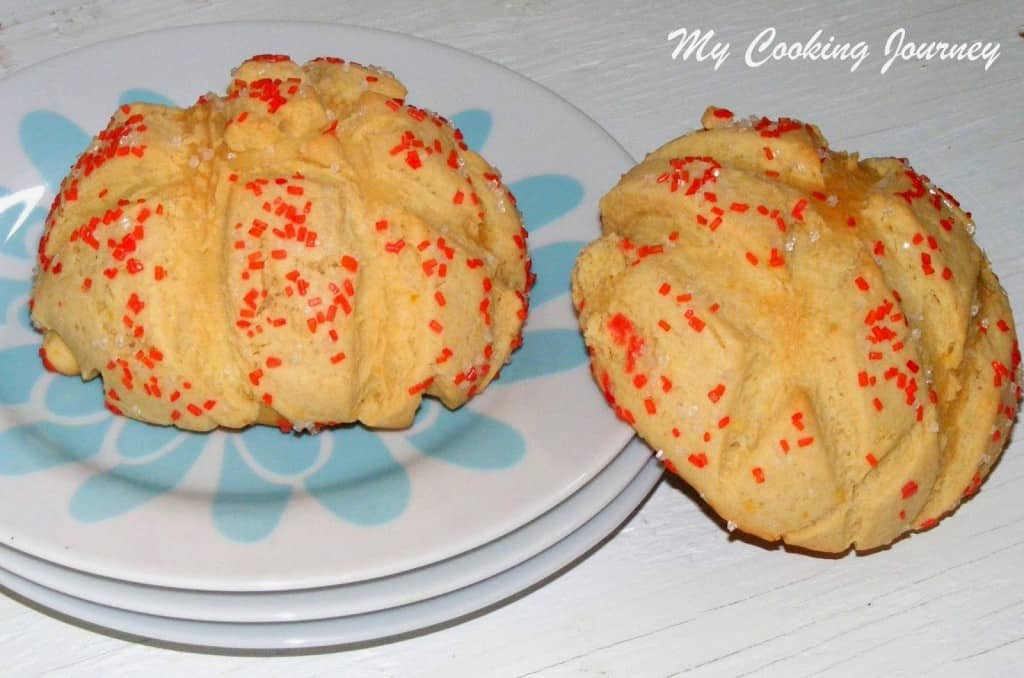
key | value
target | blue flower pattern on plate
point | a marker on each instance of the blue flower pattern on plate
(53, 421)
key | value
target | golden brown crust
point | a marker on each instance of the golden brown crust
(305, 249)
(815, 343)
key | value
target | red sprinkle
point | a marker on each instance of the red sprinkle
(798, 209)
(420, 387)
(135, 305)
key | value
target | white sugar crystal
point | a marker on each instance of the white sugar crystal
(832, 200)
(381, 70)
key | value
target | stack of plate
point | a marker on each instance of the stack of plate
(344, 613)
(258, 539)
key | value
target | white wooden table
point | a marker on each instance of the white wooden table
(671, 593)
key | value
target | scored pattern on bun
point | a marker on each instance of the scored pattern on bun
(814, 342)
(307, 249)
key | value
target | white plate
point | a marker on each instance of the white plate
(454, 606)
(260, 511)
(348, 599)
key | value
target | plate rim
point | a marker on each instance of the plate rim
(337, 633)
(282, 606)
